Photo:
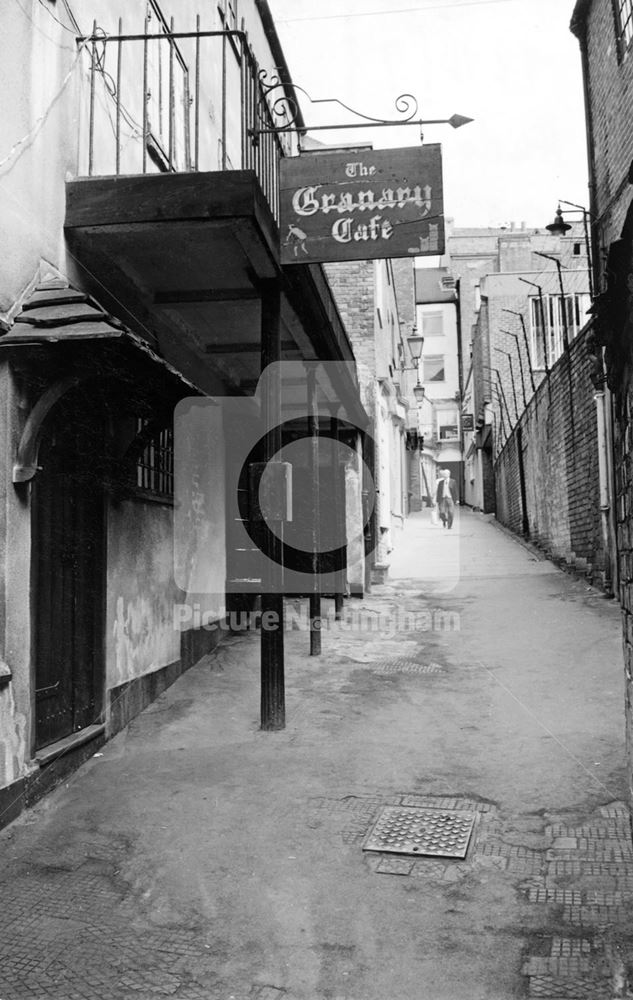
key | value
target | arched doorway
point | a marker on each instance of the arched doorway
(68, 567)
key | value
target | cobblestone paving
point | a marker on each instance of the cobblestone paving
(74, 929)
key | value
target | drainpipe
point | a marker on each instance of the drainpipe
(460, 375)
(610, 475)
(605, 502)
(603, 397)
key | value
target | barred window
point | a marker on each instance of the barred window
(624, 21)
(155, 461)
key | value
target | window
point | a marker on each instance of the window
(552, 339)
(433, 324)
(433, 368)
(154, 467)
(447, 425)
(624, 23)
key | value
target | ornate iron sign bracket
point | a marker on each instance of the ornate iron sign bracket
(284, 110)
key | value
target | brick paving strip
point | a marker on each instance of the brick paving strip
(587, 888)
(95, 942)
(582, 879)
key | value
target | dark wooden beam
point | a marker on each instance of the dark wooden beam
(205, 295)
(249, 348)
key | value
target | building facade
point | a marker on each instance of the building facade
(513, 329)
(437, 320)
(604, 29)
(141, 269)
(369, 302)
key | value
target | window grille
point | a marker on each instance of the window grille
(155, 461)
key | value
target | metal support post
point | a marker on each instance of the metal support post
(315, 596)
(273, 709)
(339, 507)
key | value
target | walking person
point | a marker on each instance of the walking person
(446, 498)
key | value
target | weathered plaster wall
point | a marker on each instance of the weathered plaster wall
(140, 634)
(15, 564)
(13, 750)
(200, 557)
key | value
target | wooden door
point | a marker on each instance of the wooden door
(68, 564)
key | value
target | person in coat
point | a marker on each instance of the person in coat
(446, 498)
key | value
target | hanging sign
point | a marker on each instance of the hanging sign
(362, 204)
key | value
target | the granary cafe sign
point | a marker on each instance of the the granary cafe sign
(362, 204)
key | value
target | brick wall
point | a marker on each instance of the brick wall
(560, 460)
(609, 83)
(610, 87)
(352, 285)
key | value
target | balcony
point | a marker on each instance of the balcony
(173, 221)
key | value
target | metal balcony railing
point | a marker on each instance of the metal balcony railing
(165, 100)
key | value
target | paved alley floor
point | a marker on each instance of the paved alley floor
(199, 858)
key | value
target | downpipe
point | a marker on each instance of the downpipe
(604, 478)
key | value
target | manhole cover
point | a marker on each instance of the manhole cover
(406, 830)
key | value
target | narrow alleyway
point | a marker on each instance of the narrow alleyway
(201, 859)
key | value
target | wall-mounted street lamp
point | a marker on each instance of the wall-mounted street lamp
(559, 227)
(416, 345)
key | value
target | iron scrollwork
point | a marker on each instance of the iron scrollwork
(281, 113)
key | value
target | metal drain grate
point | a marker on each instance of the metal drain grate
(404, 666)
(405, 830)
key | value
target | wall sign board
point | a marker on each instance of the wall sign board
(361, 205)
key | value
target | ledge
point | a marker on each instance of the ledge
(49, 754)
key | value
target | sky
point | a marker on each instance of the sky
(511, 65)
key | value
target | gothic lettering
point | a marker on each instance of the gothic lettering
(305, 201)
(344, 230)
